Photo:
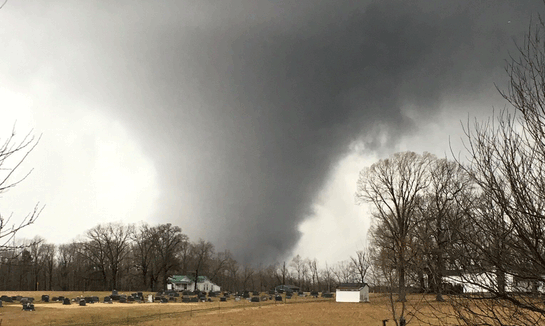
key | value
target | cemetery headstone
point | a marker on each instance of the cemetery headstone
(164, 300)
(45, 298)
(108, 299)
(278, 298)
(150, 298)
(66, 301)
(28, 306)
(223, 299)
(194, 299)
(82, 302)
(186, 299)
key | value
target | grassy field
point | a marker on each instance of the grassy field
(297, 311)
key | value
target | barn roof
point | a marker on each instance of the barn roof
(351, 286)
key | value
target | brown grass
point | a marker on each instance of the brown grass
(297, 311)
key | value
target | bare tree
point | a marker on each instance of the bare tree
(167, 240)
(361, 264)
(441, 211)
(13, 153)
(394, 186)
(202, 253)
(143, 255)
(106, 248)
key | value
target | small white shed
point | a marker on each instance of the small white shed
(352, 292)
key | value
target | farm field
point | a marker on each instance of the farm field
(298, 311)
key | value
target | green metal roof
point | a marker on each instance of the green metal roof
(186, 279)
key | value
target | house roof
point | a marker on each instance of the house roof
(351, 286)
(186, 279)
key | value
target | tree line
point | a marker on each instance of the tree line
(142, 257)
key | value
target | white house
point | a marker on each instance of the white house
(352, 292)
(185, 282)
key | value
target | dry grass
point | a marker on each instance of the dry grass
(298, 311)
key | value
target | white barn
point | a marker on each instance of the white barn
(352, 292)
(184, 282)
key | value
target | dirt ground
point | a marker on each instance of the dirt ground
(296, 311)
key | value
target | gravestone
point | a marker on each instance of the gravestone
(237, 299)
(254, 299)
(186, 292)
(327, 295)
(141, 295)
(164, 300)
(246, 294)
(5, 298)
(150, 298)
(212, 294)
(26, 300)
(114, 292)
(95, 299)
(186, 299)
(130, 299)
(66, 301)
(223, 299)
(108, 299)
(122, 299)
(301, 293)
(28, 306)
(194, 299)
(45, 298)
(88, 300)
(255, 293)
(314, 294)
(115, 297)
(82, 302)
(278, 298)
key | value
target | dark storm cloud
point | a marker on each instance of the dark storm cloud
(245, 106)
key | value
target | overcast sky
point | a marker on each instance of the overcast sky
(243, 122)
